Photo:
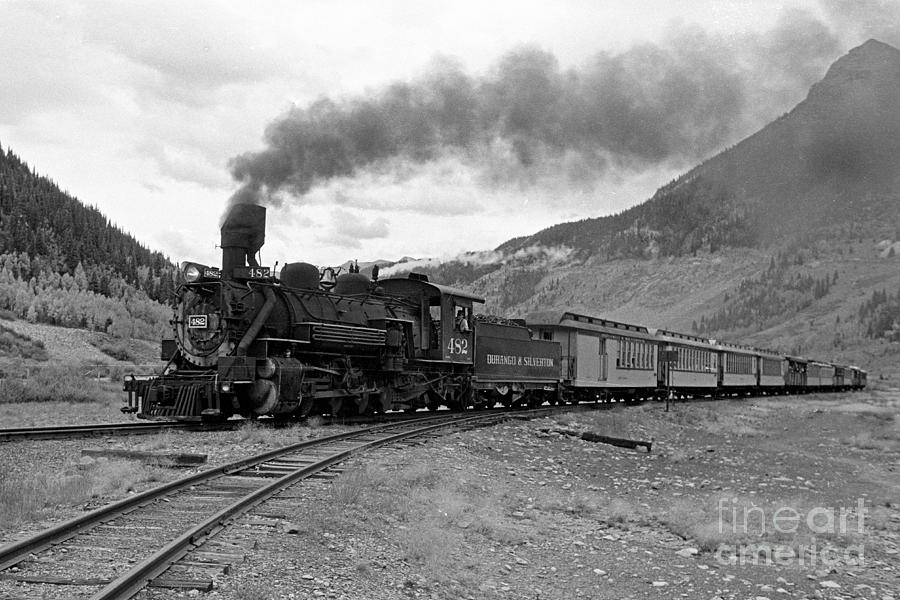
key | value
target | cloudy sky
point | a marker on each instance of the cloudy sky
(378, 129)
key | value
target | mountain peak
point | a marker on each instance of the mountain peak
(871, 59)
(874, 47)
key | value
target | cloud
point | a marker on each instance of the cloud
(349, 228)
(185, 163)
(185, 58)
(36, 53)
(879, 19)
(443, 186)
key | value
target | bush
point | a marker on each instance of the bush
(53, 384)
(16, 345)
(115, 348)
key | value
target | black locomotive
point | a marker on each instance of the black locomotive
(303, 343)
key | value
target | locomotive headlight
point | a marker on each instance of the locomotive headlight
(191, 272)
(226, 387)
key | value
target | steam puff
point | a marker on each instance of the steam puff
(544, 254)
(674, 102)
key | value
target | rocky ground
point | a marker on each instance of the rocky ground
(521, 511)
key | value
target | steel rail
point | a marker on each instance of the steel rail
(67, 431)
(143, 573)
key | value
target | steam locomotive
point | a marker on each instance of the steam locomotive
(303, 343)
(307, 342)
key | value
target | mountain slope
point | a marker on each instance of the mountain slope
(831, 159)
(63, 263)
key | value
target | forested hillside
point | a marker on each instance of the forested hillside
(63, 263)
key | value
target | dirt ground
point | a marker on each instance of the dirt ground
(738, 499)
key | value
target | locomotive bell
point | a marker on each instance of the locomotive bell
(243, 234)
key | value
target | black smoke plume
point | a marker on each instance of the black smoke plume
(668, 103)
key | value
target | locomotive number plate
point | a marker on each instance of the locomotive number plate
(198, 321)
(252, 272)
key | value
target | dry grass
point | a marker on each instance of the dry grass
(252, 591)
(429, 512)
(29, 497)
(866, 440)
(158, 441)
(714, 521)
(60, 384)
(253, 432)
(103, 410)
(881, 431)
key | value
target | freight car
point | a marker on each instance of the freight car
(248, 342)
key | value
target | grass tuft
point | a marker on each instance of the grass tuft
(272, 435)
(252, 591)
(28, 497)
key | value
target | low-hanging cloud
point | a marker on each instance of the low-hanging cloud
(672, 102)
(547, 256)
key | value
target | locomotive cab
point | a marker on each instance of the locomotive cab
(445, 329)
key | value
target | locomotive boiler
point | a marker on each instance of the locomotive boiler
(248, 343)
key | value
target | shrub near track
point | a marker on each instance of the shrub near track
(64, 384)
(26, 497)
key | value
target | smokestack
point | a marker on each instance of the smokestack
(243, 234)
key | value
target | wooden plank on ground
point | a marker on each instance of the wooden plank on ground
(161, 458)
(176, 583)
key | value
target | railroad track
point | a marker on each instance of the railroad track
(77, 431)
(142, 427)
(164, 537)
